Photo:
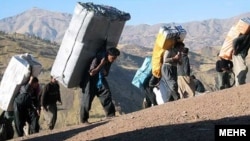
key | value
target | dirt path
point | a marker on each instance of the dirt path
(191, 119)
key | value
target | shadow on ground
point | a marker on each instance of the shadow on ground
(64, 134)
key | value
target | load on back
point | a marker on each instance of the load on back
(90, 28)
(241, 27)
(165, 39)
(18, 71)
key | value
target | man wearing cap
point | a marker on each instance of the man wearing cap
(95, 84)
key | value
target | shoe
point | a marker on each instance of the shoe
(107, 117)
(86, 123)
(50, 127)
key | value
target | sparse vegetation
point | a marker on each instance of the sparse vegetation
(126, 96)
(45, 52)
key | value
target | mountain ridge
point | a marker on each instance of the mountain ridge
(52, 26)
(227, 106)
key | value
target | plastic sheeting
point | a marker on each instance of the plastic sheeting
(16, 73)
(89, 27)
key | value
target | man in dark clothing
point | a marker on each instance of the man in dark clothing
(95, 84)
(24, 108)
(36, 102)
(150, 98)
(6, 128)
(224, 67)
(49, 97)
(199, 87)
(241, 46)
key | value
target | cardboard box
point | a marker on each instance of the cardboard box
(243, 26)
(227, 47)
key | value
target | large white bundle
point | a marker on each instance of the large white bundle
(173, 32)
(16, 73)
(90, 26)
(161, 93)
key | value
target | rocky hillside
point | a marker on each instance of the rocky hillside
(52, 25)
(136, 42)
(41, 23)
(45, 52)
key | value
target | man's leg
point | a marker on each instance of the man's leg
(240, 70)
(33, 122)
(220, 81)
(19, 121)
(86, 102)
(52, 115)
(150, 96)
(242, 76)
(105, 97)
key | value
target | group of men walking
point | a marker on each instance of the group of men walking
(29, 102)
(177, 78)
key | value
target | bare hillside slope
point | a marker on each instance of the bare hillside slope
(183, 120)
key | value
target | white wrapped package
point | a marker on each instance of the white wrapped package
(89, 27)
(161, 93)
(16, 73)
(182, 32)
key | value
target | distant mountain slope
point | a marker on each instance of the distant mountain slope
(42, 23)
(200, 34)
(52, 25)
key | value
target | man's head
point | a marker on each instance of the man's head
(192, 76)
(185, 50)
(112, 54)
(179, 46)
(53, 79)
(34, 82)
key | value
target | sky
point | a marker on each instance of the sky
(141, 11)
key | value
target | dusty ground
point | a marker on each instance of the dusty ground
(190, 119)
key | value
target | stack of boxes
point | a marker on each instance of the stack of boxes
(242, 27)
(166, 38)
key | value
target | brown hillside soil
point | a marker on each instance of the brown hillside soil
(191, 119)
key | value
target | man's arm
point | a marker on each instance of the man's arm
(217, 67)
(94, 69)
(236, 44)
(169, 59)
